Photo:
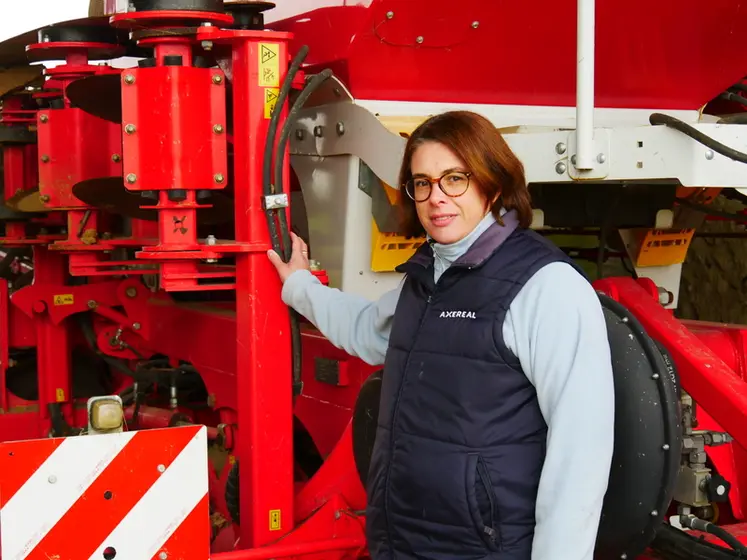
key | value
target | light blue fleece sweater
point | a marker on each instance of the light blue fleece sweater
(555, 327)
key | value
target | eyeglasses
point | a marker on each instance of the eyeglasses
(453, 184)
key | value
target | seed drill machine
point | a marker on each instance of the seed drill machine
(158, 399)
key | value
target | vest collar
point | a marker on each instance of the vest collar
(479, 252)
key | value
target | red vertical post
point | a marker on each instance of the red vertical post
(263, 361)
(52, 341)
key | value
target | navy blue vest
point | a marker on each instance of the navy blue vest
(460, 441)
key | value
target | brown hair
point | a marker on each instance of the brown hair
(477, 142)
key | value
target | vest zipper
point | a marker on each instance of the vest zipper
(395, 414)
(485, 478)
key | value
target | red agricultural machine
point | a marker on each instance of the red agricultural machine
(157, 398)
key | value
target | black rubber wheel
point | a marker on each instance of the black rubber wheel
(365, 419)
(648, 437)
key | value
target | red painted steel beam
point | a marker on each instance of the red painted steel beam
(706, 377)
(263, 343)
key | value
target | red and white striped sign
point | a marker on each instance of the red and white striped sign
(137, 495)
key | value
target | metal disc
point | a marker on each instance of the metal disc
(109, 193)
(13, 50)
(26, 201)
(100, 96)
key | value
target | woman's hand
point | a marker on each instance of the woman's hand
(299, 258)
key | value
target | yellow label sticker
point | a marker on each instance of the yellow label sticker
(271, 99)
(269, 64)
(274, 520)
(60, 395)
(63, 299)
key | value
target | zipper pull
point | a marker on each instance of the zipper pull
(490, 532)
(429, 299)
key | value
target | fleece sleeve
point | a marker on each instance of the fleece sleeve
(556, 328)
(353, 323)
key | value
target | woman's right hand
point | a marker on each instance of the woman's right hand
(299, 258)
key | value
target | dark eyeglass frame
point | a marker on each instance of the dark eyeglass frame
(410, 185)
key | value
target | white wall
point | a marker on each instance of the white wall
(17, 17)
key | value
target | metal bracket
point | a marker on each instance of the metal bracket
(275, 201)
(602, 156)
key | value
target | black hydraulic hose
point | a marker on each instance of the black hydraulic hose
(707, 527)
(298, 104)
(734, 97)
(90, 337)
(267, 185)
(739, 118)
(310, 88)
(695, 134)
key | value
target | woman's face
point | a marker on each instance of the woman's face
(446, 219)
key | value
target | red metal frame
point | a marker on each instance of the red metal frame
(241, 346)
(522, 53)
(249, 381)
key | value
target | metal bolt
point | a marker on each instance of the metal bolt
(43, 118)
(130, 128)
(218, 128)
(654, 513)
(419, 39)
(560, 168)
(45, 158)
(475, 24)
(116, 158)
(217, 79)
(300, 133)
(129, 79)
(319, 131)
(709, 154)
(340, 128)
(218, 177)
(136, 326)
(131, 291)
(163, 556)
(131, 178)
(665, 447)
(624, 320)
(161, 468)
(210, 240)
(601, 158)
(573, 159)
(52, 479)
(655, 376)
(389, 15)
(560, 148)
(91, 304)
(44, 198)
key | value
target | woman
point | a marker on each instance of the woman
(496, 420)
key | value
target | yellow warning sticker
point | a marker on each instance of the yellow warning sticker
(63, 299)
(271, 99)
(269, 64)
(274, 520)
(60, 395)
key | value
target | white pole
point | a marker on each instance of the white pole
(585, 84)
